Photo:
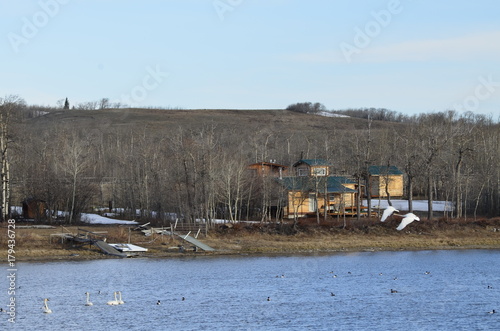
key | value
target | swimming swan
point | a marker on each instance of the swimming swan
(113, 302)
(88, 303)
(120, 301)
(46, 308)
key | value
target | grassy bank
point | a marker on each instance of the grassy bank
(308, 237)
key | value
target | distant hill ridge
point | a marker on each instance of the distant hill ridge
(248, 119)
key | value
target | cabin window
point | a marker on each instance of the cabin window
(303, 172)
(319, 171)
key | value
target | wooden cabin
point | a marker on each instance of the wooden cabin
(34, 208)
(306, 195)
(385, 179)
(268, 169)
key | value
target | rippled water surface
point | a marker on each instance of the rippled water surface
(436, 290)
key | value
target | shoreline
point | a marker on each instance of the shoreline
(71, 254)
(37, 245)
(77, 257)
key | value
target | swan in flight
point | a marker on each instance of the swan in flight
(113, 302)
(46, 308)
(120, 301)
(388, 212)
(88, 303)
(406, 219)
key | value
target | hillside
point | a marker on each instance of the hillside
(277, 120)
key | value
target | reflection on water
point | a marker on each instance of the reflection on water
(436, 290)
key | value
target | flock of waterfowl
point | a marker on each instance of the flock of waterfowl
(117, 300)
(393, 291)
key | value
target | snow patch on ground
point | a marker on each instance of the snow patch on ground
(401, 205)
(330, 114)
(98, 219)
(418, 205)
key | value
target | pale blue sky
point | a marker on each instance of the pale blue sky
(411, 56)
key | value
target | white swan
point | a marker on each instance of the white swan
(388, 212)
(120, 301)
(88, 303)
(406, 219)
(113, 302)
(46, 308)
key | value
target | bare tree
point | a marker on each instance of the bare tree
(8, 106)
(104, 103)
(307, 107)
(74, 161)
(435, 134)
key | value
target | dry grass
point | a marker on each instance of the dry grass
(33, 244)
(130, 120)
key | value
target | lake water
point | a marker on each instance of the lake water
(436, 290)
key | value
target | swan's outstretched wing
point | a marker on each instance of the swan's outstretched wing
(407, 219)
(388, 212)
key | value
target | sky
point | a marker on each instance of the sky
(409, 56)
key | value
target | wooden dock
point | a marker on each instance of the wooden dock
(108, 249)
(185, 237)
(173, 229)
(195, 242)
(98, 239)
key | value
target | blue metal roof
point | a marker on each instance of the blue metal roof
(313, 162)
(333, 184)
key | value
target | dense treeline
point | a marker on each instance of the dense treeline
(377, 114)
(201, 171)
